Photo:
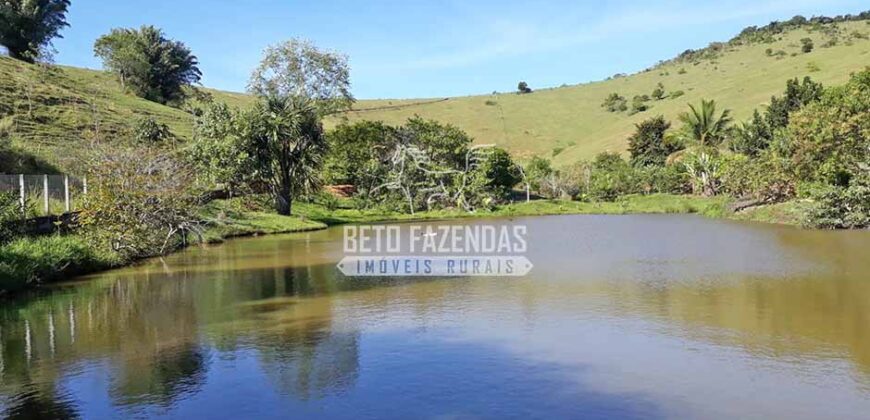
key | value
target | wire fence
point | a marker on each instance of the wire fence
(45, 195)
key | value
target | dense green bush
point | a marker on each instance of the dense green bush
(615, 103)
(10, 214)
(843, 207)
(148, 130)
(765, 177)
(649, 145)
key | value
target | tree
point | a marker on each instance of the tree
(500, 172)
(297, 68)
(659, 92)
(356, 153)
(287, 143)
(752, 137)
(222, 157)
(703, 126)
(523, 87)
(648, 145)
(806, 45)
(796, 96)
(28, 26)
(445, 144)
(829, 140)
(615, 103)
(146, 62)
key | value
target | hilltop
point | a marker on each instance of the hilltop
(56, 111)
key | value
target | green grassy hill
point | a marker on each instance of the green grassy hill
(57, 111)
(569, 123)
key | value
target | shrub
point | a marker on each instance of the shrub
(611, 177)
(615, 103)
(659, 92)
(10, 214)
(676, 94)
(806, 45)
(765, 177)
(638, 104)
(148, 131)
(140, 203)
(843, 207)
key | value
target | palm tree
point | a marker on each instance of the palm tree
(289, 146)
(703, 126)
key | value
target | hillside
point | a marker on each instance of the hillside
(57, 111)
(569, 123)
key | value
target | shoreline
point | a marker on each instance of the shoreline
(226, 223)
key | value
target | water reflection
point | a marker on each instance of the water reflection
(605, 326)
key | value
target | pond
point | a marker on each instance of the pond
(641, 316)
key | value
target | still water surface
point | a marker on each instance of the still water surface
(622, 317)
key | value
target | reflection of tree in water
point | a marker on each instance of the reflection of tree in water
(144, 326)
(41, 404)
(167, 377)
(299, 346)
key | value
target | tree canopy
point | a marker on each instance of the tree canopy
(297, 68)
(149, 64)
(28, 26)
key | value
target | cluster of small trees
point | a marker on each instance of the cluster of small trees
(422, 164)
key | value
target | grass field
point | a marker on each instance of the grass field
(57, 111)
(569, 123)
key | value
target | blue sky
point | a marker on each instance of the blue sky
(410, 48)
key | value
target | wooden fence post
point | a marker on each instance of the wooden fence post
(66, 193)
(21, 195)
(45, 194)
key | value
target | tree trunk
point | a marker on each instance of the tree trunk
(283, 200)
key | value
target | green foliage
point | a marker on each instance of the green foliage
(649, 145)
(500, 172)
(705, 172)
(139, 203)
(297, 68)
(752, 137)
(638, 104)
(538, 170)
(150, 131)
(27, 261)
(764, 177)
(796, 96)
(829, 140)
(615, 103)
(10, 215)
(523, 88)
(843, 207)
(220, 154)
(659, 92)
(676, 94)
(806, 45)
(286, 140)
(443, 143)
(611, 177)
(356, 153)
(148, 64)
(702, 126)
(28, 26)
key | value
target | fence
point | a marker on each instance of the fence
(45, 195)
